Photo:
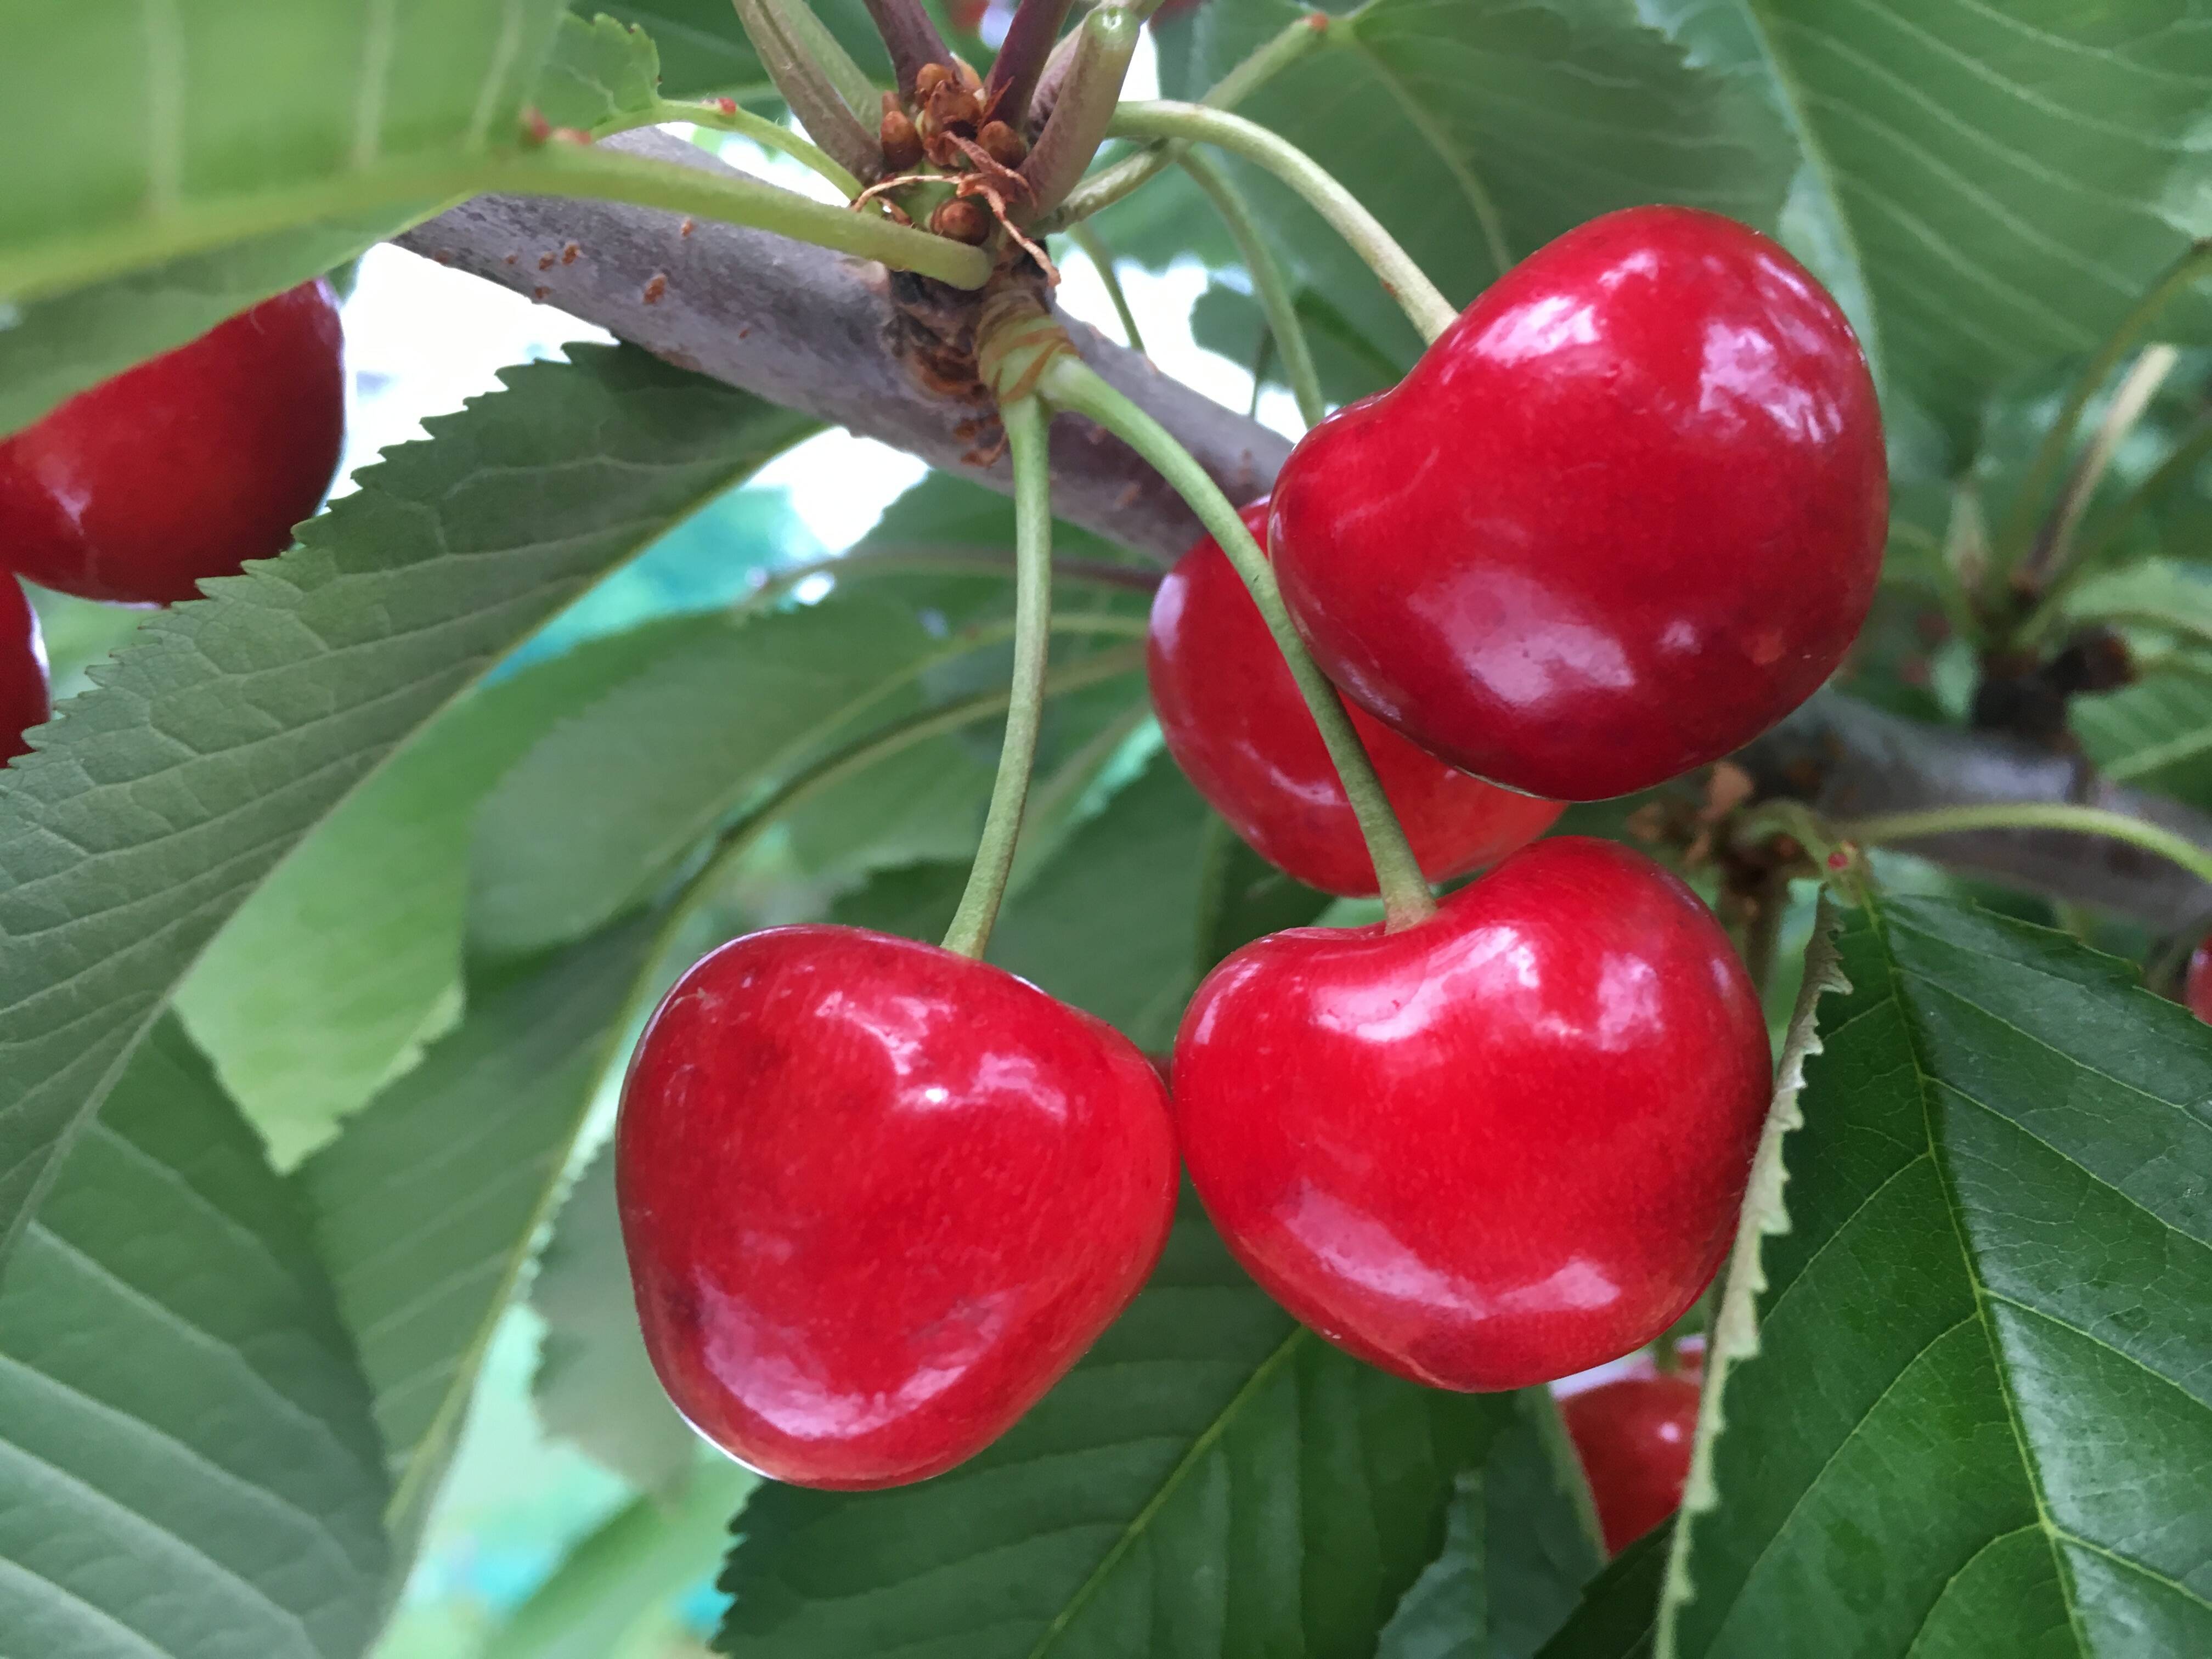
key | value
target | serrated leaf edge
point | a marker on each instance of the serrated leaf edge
(1735, 1333)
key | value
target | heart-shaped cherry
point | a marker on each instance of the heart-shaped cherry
(878, 1197)
(1625, 513)
(1237, 725)
(1493, 1148)
(1633, 1434)
(23, 696)
(185, 466)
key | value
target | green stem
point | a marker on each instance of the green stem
(768, 135)
(1068, 383)
(2033, 815)
(555, 169)
(2054, 541)
(1268, 285)
(1405, 282)
(1024, 422)
(2050, 454)
(1273, 56)
(1102, 261)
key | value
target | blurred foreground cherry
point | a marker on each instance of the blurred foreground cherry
(184, 467)
(23, 697)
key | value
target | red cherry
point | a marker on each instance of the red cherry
(1495, 1148)
(185, 466)
(1625, 515)
(878, 1197)
(1237, 725)
(23, 699)
(1634, 1435)
(2196, 990)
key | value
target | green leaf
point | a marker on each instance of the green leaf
(225, 120)
(2002, 186)
(1479, 133)
(427, 1207)
(702, 49)
(595, 1386)
(1521, 1543)
(1619, 1611)
(1211, 1478)
(598, 71)
(1109, 922)
(229, 728)
(187, 1463)
(1978, 1410)
(623, 1574)
(1242, 897)
(675, 752)
(327, 981)
(2156, 734)
(2165, 595)
(1229, 321)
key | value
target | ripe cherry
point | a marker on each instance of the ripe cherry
(1634, 1435)
(185, 466)
(2196, 990)
(1237, 725)
(23, 700)
(878, 1197)
(1624, 515)
(1496, 1147)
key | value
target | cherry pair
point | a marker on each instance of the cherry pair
(181, 468)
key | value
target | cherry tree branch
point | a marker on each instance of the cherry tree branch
(814, 330)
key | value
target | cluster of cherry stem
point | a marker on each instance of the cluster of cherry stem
(1035, 373)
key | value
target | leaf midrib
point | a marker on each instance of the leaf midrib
(2031, 1468)
(1262, 1375)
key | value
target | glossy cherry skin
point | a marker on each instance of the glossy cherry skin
(185, 466)
(1625, 513)
(1634, 1435)
(23, 696)
(878, 1197)
(1497, 1147)
(2196, 990)
(1237, 725)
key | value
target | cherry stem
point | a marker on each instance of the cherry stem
(803, 76)
(2053, 549)
(1273, 56)
(1102, 261)
(1030, 40)
(1067, 383)
(2050, 453)
(1025, 426)
(768, 135)
(1268, 285)
(2032, 815)
(611, 175)
(1405, 282)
